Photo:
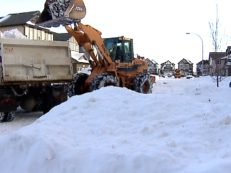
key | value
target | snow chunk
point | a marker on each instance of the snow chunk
(4, 18)
(14, 33)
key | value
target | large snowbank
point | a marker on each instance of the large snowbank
(183, 127)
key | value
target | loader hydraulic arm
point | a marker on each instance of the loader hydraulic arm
(90, 38)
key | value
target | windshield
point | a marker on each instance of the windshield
(119, 49)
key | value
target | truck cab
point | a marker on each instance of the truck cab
(120, 48)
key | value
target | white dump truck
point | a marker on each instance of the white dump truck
(34, 75)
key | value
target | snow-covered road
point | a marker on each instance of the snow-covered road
(21, 119)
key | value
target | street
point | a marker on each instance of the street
(21, 119)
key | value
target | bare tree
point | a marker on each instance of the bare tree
(214, 29)
(216, 40)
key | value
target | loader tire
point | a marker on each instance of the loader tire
(104, 80)
(77, 86)
(142, 83)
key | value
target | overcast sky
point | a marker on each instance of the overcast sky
(158, 27)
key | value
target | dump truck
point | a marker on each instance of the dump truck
(112, 59)
(34, 75)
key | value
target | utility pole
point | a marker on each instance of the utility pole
(202, 51)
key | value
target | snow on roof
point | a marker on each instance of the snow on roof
(30, 23)
(5, 18)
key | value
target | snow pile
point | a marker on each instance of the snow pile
(183, 127)
(14, 33)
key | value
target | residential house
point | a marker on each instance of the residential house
(227, 60)
(152, 66)
(73, 45)
(24, 22)
(185, 66)
(167, 68)
(205, 66)
(217, 63)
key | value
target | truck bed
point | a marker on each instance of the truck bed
(28, 61)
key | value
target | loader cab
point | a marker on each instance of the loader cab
(120, 48)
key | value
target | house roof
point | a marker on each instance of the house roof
(151, 61)
(61, 36)
(154, 61)
(216, 55)
(204, 62)
(167, 62)
(18, 18)
(185, 60)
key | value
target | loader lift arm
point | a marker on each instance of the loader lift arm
(89, 37)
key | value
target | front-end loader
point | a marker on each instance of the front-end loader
(111, 59)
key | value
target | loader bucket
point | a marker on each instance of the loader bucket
(65, 12)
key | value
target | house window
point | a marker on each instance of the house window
(35, 34)
(218, 62)
(49, 37)
(31, 33)
(43, 35)
(27, 33)
(39, 34)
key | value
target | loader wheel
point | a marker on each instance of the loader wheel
(77, 86)
(104, 80)
(142, 84)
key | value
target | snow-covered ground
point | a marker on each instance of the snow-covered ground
(21, 119)
(184, 126)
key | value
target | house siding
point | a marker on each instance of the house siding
(186, 67)
(217, 63)
(167, 68)
(30, 32)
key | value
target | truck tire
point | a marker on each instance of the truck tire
(28, 103)
(2, 116)
(104, 80)
(142, 83)
(77, 86)
(7, 116)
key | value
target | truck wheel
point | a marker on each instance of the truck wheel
(28, 103)
(77, 86)
(142, 84)
(104, 80)
(7, 116)
(2, 116)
